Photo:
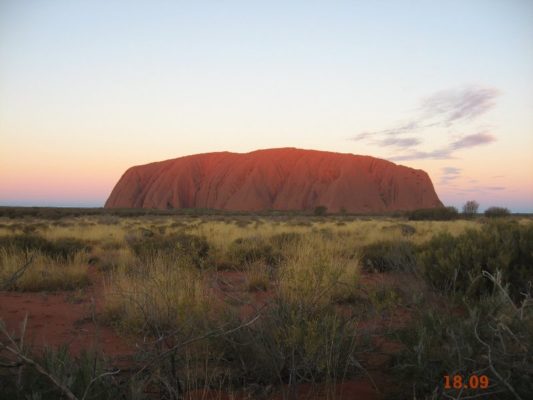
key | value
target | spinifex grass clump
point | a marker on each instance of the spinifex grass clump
(248, 250)
(258, 276)
(36, 271)
(60, 248)
(301, 336)
(177, 245)
(315, 272)
(167, 300)
(157, 295)
(389, 255)
(107, 257)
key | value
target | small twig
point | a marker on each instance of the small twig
(86, 392)
(491, 366)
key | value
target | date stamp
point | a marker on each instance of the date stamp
(459, 382)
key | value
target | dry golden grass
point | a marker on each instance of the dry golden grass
(329, 244)
(258, 276)
(316, 272)
(44, 273)
(162, 294)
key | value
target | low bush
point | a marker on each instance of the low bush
(490, 336)
(389, 255)
(294, 343)
(434, 214)
(404, 229)
(85, 376)
(497, 212)
(320, 211)
(453, 264)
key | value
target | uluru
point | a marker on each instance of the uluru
(275, 179)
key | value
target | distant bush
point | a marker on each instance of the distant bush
(320, 211)
(470, 208)
(434, 214)
(405, 229)
(452, 264)
(497, 212)
(389, 255)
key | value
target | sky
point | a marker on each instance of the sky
(90, 88)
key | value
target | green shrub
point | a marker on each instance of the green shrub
(497, 212)
(434, 214)
(294, 343)
(470, 208)
(320, 211)
(388, 255)
(453, 264)
(489, 337)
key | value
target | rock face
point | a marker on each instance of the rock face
(275, 179)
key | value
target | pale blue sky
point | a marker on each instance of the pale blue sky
(89, 88)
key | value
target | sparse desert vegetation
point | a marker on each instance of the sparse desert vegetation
(270, 306)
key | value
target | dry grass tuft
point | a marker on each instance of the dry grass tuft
(159, 295)
(43, 273)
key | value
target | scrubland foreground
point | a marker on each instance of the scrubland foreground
(249, 307)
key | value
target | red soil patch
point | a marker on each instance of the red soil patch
(63, 318)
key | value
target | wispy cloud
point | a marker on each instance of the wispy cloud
(449, 174)
(446, 152)
(439, 154)
(472, 141)
(476, 189)
(443, 109)
(399, 142)
(450, 106)
(398, 130)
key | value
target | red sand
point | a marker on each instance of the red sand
(275, 179)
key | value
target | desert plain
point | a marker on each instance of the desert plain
(194, 304)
